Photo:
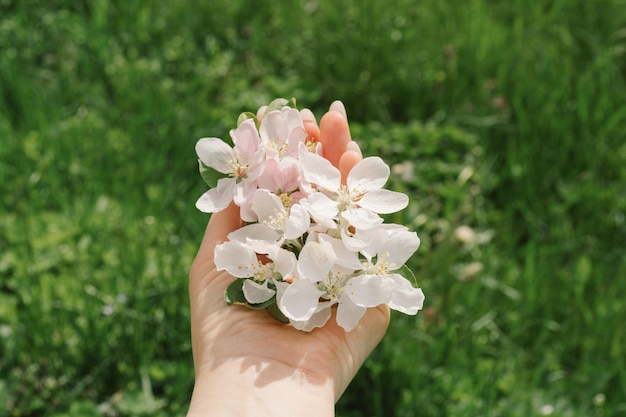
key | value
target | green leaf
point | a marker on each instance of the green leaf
(234, 293)
(209, 175)
(276, 313)
(279, 103)
(248, 115)
(263, 305)
(406, 272)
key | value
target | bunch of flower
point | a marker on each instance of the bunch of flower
(309, 241)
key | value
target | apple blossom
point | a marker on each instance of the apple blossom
(310, 243)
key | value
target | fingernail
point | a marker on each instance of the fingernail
(338, 106)
(307, 114)
(353, 146)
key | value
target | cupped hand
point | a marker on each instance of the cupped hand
(248, 356)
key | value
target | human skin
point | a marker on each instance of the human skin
(249, 364)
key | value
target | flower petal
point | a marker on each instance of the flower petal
(405, 298)
(237, 258)
(298, 222)
(315, 260)
(400, 246)
(345, 257)
(300, 300)
(321, 172)
(384, 201)
(215, 153)
(349, 314)
(369, 290)
(278, 124)
(369, 174)
(361, 218)
(257, 293)
(246, 139)
(266, 205)
(321, 208)
(285, 262)
(218, 198)
(318, 319)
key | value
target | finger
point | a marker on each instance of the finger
(347, 161)
(312, 131)
(338, 106)
(334, 135)
(220, 225)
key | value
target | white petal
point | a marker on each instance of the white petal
(361, 218)
(298, 222)
(405, 298)
(254, 231)
(400, 246)
(285, 262)
(215, 153)
(356, 242)
(378, 236)
(369, 174)
(320, 171)
(300, 300)
(236, 258)
(349, 314)
(344, 257)
(266, 205)
(369, 290)
(218, 198)
(257, 293)
(318, 319)
(384, 201)
(321, 208)
(315, 260)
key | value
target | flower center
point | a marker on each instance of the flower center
(277, 145)
(262, 272)
(286, 200)
(382, 266)
(333, 285)
(277, 221)
(237, 168)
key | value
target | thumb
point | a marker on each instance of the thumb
(220, 225)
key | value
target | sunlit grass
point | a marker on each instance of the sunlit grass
(504, 123)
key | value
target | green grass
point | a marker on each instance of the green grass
(507, 117)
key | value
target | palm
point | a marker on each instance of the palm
(221, 333)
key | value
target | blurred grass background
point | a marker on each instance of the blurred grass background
(504, 120)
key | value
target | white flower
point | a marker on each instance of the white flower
(281, 132)
(389, 248)
(359, 201)
(240, 260)
(311, 242)
(243, 164)
(324, 275)
(291, 222)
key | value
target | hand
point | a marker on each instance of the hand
(249, 364)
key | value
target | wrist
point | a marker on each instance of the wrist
(257, 388)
